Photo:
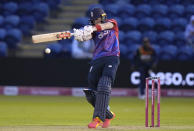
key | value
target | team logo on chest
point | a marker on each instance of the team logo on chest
(103, 33)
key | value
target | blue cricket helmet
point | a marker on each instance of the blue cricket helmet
(97, 13)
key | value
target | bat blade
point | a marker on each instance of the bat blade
(50, 37)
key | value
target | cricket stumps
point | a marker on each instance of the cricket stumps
(153, 81)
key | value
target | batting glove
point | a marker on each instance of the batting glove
(87, 32)
(78, 35)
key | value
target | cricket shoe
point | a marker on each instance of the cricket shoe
(107, 121)
(95, 123)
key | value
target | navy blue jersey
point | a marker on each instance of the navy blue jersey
(106, 42)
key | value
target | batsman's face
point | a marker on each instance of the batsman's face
(97, 21)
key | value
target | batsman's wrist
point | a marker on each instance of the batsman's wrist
(98, 27)
(94, 28)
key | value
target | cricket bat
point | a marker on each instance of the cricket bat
(51, 37)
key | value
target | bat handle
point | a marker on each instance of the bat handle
(72, 34)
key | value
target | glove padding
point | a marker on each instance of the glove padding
(83, 34)
(78, 35)
(87, 32)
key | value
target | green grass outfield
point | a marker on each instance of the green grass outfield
(61, 113)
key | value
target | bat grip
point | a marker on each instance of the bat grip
(72, 34)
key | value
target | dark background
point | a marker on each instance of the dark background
(70, 72)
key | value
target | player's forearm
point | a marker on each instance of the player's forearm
(104, 26)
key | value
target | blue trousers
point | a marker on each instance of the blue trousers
(105, 66)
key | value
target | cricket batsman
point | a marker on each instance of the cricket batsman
(104, 64)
